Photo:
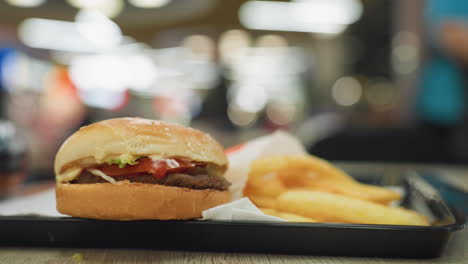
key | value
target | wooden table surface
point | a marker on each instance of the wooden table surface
(456, 251)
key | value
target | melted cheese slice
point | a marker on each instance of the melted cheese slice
(69, 175)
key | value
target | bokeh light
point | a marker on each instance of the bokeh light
(233, 44)
(110, 8)
(200, 46)
(271, 41)
(405, 53)
(347, 91)
(381, 95)
(240, 117)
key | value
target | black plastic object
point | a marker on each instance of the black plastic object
(13, 154)
(245, 236)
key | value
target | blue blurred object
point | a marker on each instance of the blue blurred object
(438, 11)
(442, 98)
(5, 55)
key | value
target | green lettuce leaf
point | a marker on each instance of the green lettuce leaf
(123, 162)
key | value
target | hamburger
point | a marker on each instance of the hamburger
(135, 168)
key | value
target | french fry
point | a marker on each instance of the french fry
(287, 216)
(263, 201)
(301, 164)
(263, 190)
(328, 207)
(309, 189)
(314, 174)
(268, 185)
(356, 190)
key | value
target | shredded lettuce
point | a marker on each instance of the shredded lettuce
(124, 162)
(102, 175)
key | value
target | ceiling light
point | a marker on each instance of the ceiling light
(52, 34)
(25, 3)
(343, 12)
(98, 29)
(149, 3)
(314, 16)
(91, 33)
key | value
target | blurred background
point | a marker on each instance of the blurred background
(367, 80)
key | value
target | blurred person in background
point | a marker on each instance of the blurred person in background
(442, 102)
(47, 118)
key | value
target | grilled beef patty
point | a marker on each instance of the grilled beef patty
(197, 181)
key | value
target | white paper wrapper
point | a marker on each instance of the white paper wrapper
(278, 143)
(242, 209)
(40, 204)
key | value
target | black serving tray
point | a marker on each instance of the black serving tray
(264, 237)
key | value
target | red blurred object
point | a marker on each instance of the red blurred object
(234, 149)
(64, 84)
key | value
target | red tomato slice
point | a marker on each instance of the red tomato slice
(146, 165)
(234, 149)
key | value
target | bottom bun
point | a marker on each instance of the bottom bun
(132, 201)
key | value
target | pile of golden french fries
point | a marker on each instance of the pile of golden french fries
(309, 189)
